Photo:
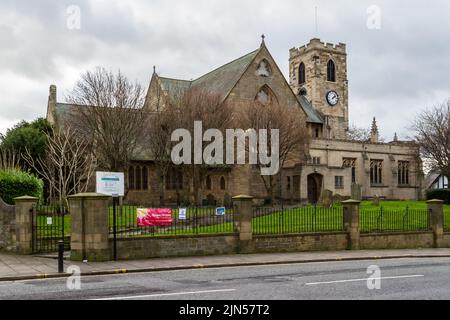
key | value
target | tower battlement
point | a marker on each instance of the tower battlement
(317, 44)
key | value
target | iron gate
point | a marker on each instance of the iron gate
(50, 225)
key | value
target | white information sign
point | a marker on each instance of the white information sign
(182, 214)
(110, 183)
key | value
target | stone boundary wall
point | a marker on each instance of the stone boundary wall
(300, 242)
(7, 227)
(406, 240)
(161, 247)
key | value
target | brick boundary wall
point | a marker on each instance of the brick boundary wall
(7, 227)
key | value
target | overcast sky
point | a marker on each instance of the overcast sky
(395, 68)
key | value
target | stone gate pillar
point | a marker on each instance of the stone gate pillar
(351, 223)
(90, 227)
(24, 223)
(436, 219)
(243, 214)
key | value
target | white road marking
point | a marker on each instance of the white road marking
(365, 279)
(166, 294)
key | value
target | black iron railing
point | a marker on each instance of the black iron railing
(311, 219)
(50, 224)
(197, 221)
(394, 220)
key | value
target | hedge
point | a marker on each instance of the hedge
(441, 194)
(16, 183)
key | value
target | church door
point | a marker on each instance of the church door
(314, 188)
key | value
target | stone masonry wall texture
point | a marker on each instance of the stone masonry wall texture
(144, 248)
(7, 226)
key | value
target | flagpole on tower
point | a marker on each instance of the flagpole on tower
(316, 23)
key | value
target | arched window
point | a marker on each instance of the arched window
(131, 178)
(222, 183)
(301, 74)
(208, 183)
(144, 178)
(331, 71)
(266, 96)
(138, 179)
(264, 69)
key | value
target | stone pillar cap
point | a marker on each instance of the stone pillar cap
(435, 201)
(26, 198)
(243, 197)
(351, 201)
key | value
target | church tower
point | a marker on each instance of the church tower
(319, 72)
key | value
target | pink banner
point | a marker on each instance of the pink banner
(154, 217)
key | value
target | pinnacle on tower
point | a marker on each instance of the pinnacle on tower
(374, 131)
(395, 137)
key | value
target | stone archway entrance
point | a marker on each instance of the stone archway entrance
(314, 187)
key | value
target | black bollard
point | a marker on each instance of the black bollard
(60, 256)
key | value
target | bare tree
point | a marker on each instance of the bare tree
(158, 140)
(293, 135)
(8, 160)
(358, 134)
(109, 113)
(68, 166)
(432, 132)
(197, 104)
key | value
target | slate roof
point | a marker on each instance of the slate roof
(62, 110)
(223, 79)
(219, 81)
(312, 114)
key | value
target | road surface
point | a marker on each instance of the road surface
(426, 278)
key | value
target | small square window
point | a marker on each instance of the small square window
(339, 182)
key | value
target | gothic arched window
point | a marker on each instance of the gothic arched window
(138, 185)
(131, 178)
(208, 183)
(301, 74)
(145, 178)
(265, 96)
(331, 71)
(222, 183)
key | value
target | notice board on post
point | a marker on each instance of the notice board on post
(110, 183)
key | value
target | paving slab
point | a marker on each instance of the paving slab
(19, 267)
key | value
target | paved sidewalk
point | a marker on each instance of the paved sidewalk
(16, 267)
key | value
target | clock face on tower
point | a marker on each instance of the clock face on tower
(332, 98)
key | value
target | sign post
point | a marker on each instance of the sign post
(112, 184)
(115, 198)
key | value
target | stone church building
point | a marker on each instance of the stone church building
(317, 85)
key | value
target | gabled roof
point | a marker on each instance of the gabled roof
(62, 111)
(174, 85)
(223, 79)
(219, 81)
(312, 114)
